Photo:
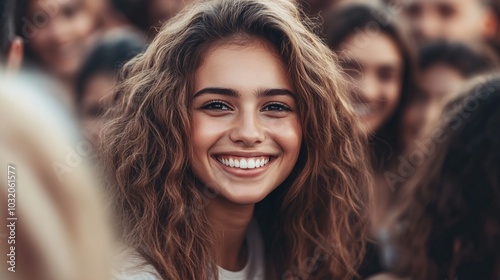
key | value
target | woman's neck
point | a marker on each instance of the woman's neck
(231, 222)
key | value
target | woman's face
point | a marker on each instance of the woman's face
(61, 33)
(374, 64)
(246, 133)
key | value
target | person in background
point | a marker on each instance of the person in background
(470, 21)
(98, 77)
(11, 46)
(444, 68)
(61, 229)
(58, 35)
(376, 59)
(447, 222)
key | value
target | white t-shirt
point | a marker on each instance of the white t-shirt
(135, 268)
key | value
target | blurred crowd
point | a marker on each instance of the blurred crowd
(421, 74)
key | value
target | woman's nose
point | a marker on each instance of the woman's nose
(247, 129)
(368, 89)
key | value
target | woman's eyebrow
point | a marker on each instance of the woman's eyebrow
(263, 92)
(216, 90)
(273, 92)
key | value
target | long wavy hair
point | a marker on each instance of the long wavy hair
(314, 224)
(448, 219)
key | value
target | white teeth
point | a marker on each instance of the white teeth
(248, 163)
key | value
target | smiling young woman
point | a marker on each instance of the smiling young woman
(233, 152)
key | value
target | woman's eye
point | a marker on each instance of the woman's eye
(216, 105)
(277, 107)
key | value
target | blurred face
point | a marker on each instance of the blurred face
(374, 64)
(456, 20)
(92, 106)
(439, 84)
(246, 132)
(60, 33)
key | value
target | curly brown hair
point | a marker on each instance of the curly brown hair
(448, 219)
(314, 224)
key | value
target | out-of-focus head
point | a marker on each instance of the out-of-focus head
(376, 60)
(58, 34)
(374, 57)
(11, 49)
(97, 78)
(455, 20)
(448, 223)
(444, 68)
(62, 230)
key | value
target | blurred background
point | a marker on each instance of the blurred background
(410, 65)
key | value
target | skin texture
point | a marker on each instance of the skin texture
(374, 64)
(457, 20)
(92, 106)
(245, 125)
(64, 33)
(439, 84)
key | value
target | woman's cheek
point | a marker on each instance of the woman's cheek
(84, 25)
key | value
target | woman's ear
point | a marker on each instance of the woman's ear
(15, 55)
(490, 25)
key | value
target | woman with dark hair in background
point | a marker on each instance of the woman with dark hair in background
(98, 77)
(376, 59)
(447, 222)
(443, 68)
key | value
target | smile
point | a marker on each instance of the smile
(243, 162)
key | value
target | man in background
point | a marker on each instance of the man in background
(453, 20)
